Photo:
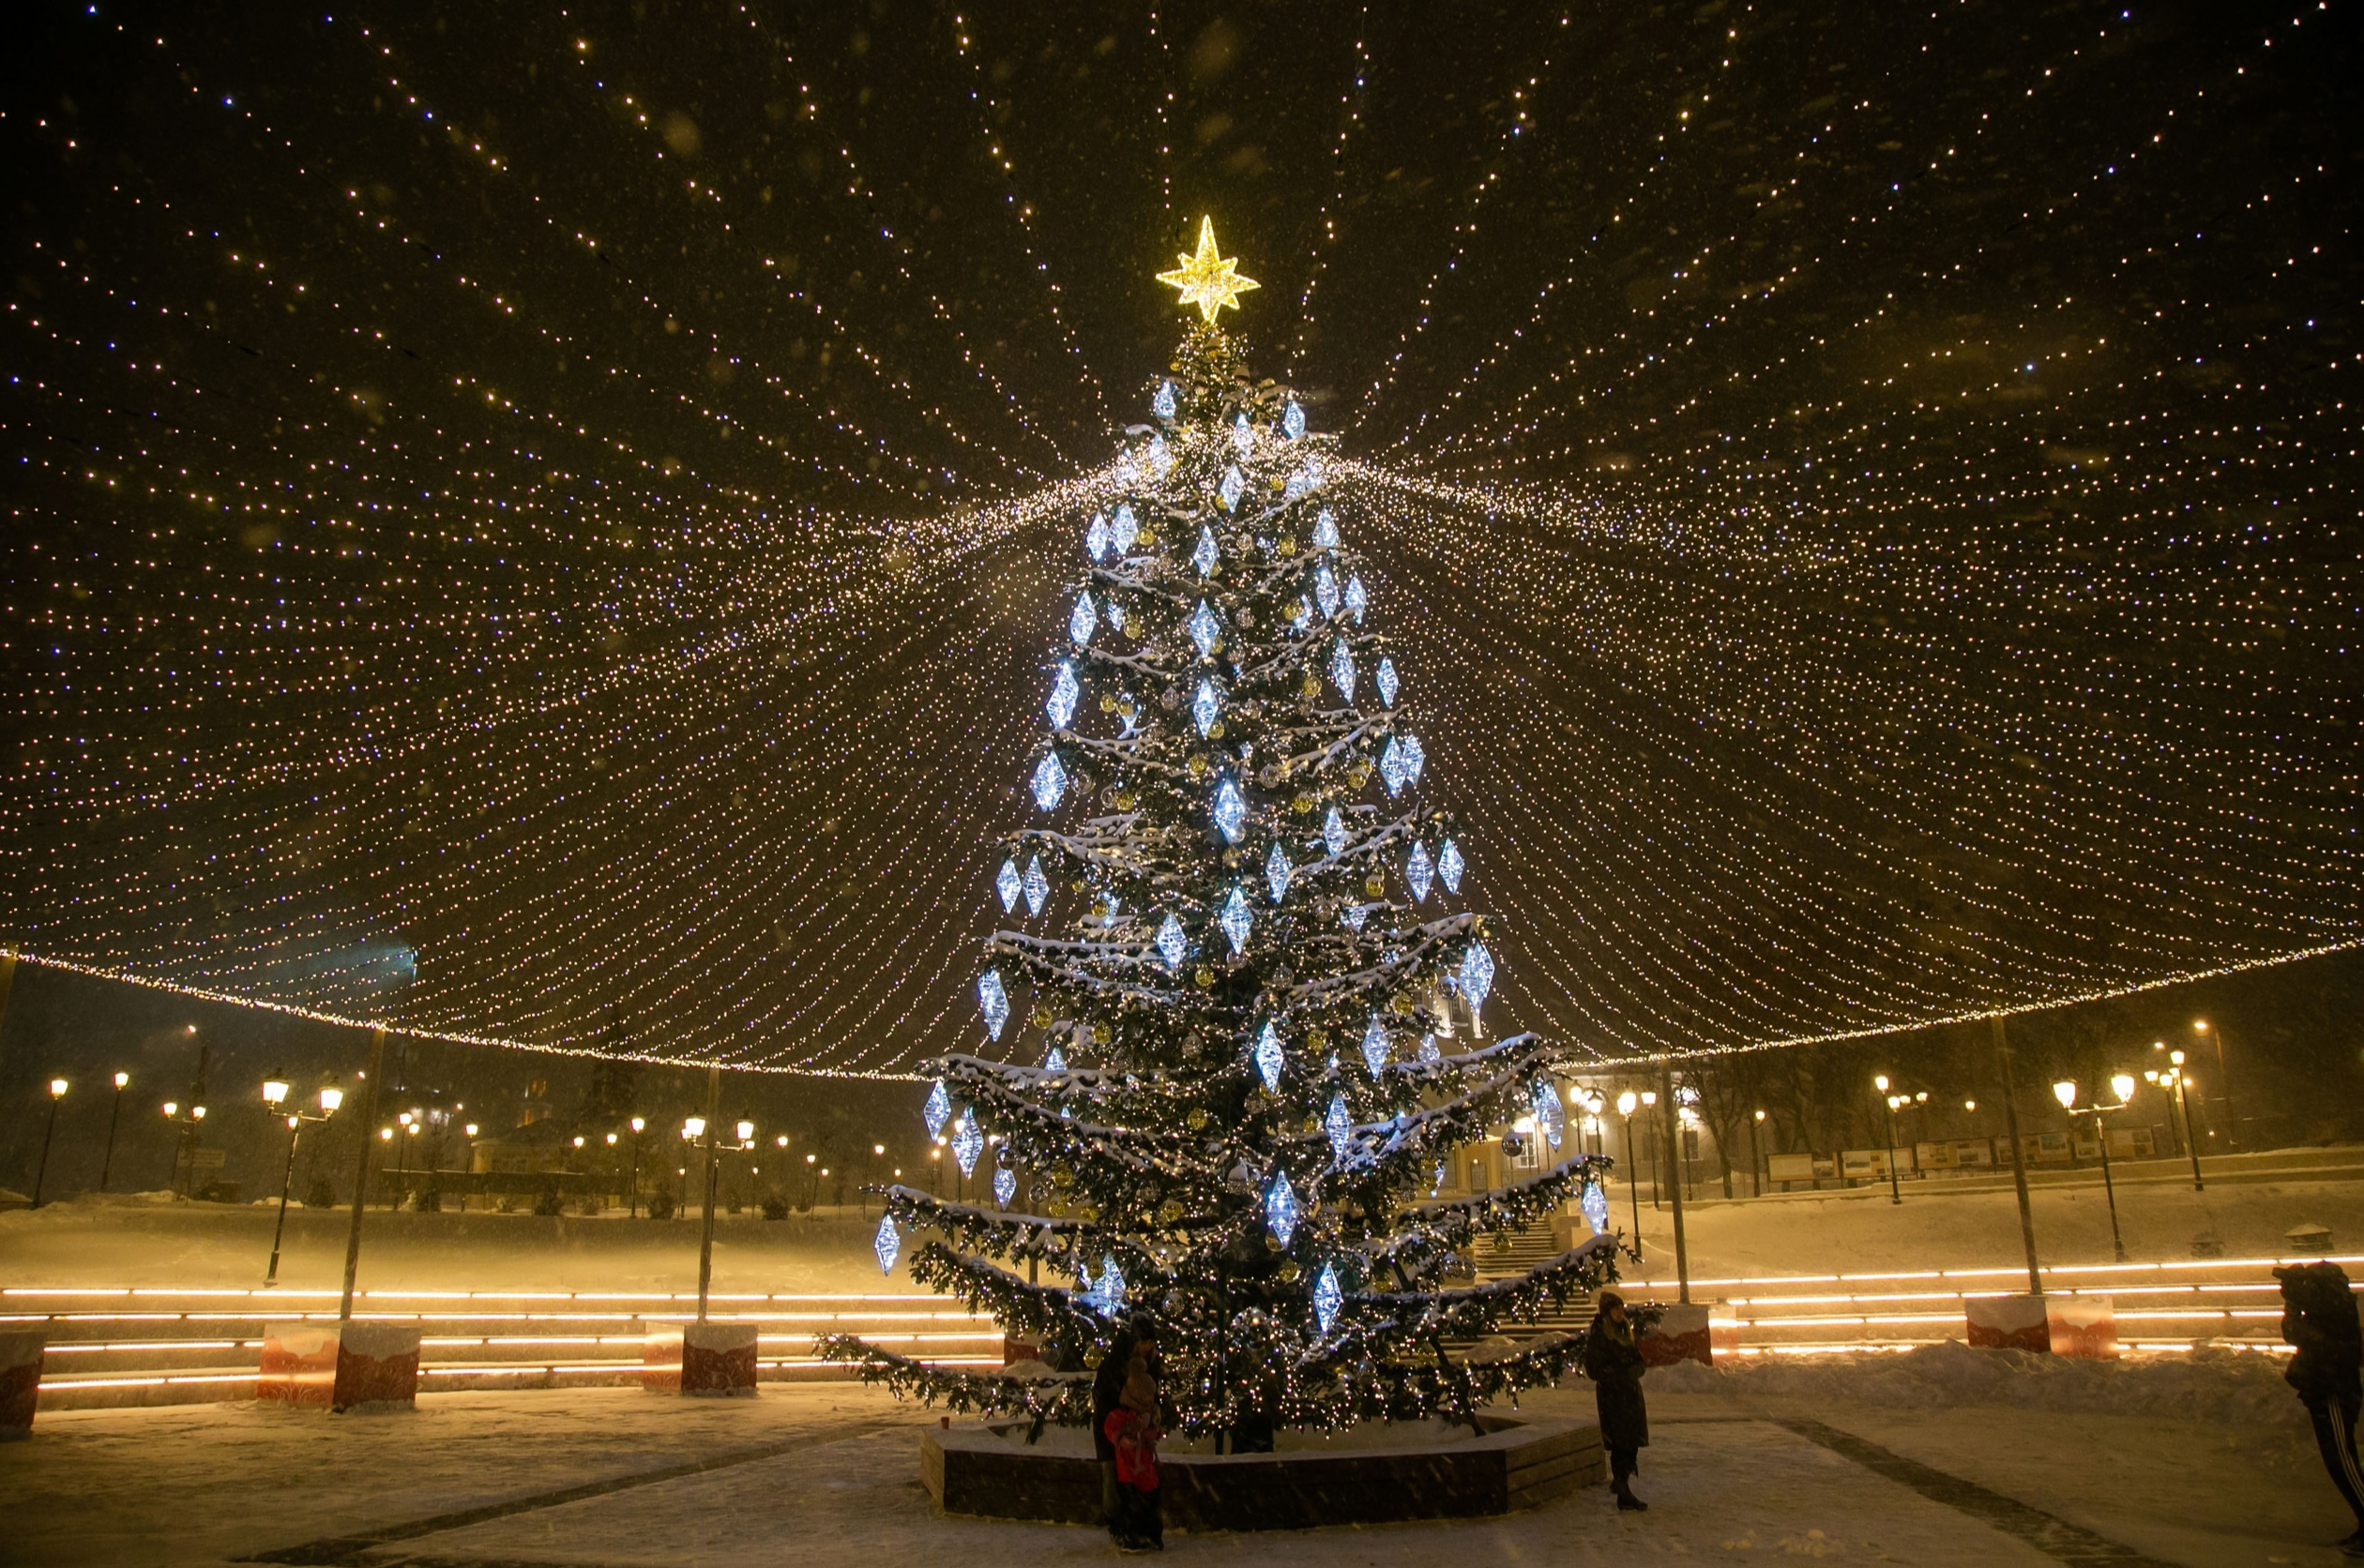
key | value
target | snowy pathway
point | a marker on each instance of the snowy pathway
(827, 1476)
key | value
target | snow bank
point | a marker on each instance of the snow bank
(2222, 1387)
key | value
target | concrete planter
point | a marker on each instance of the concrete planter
(346, 1366)
(21, 1354)
(708, 1359)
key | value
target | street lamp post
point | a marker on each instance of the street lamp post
(1756, 1158)
(2183, 1098)
(1895, 1192)
(639, 1123)
(2225, 1080)
(114, 1115)
(1658, 1157)
(1627, 1101)
(877, 1151)
(274, 1091)
(57, 1093)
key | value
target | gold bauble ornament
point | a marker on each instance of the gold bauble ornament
(1205, 978)
(1375, 885)
(1041, 1016)
(1288, 544)
(1289, 1271)
(1402, 1005)
(1197, 1119)
(1302, 805)
(1107, 704)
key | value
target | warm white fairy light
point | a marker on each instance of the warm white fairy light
(1814, 659)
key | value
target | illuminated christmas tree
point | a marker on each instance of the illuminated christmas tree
(1239, 955)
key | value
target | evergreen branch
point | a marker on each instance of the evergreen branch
(1062, 1401)
(1476, 1309)
(1003, 1235)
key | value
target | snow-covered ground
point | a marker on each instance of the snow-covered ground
(1939, 1226)
(195, 1246)
(2199, 1463)
(91, 1241)
(2203, 1460)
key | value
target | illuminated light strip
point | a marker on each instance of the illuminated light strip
(2020, 1270)
(175, 1381)
(95, 1346)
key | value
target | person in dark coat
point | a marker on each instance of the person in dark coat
(1614, 1365)
(1107, 1397)
(2319, 1318)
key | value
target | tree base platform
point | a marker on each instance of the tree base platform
(988, 1470)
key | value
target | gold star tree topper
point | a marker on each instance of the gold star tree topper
(1207, 280)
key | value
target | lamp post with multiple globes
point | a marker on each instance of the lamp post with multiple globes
(274, 1095)
(2066, 1092)
(2172, 1080)
(1895, 1192)
(182, 1151)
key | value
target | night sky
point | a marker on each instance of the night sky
(546, 526)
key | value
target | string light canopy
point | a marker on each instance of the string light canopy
(545, 537)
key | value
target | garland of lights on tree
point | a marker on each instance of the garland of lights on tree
(1241, 964)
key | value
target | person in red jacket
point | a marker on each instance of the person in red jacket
(1137, 1523)
(2319, 1318)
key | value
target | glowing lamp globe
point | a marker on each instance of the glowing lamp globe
(172, 1108)
(746, 1132)
(2066, 1092)
(639, 1123)
(472, 1130)
(121, 1078)
(2121, 1085)
(694, 1127)
(331, 1098)
(1880, 1083)
(1626, 1102)
(610, 1139)
(274, 1090)
(198, 1112)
